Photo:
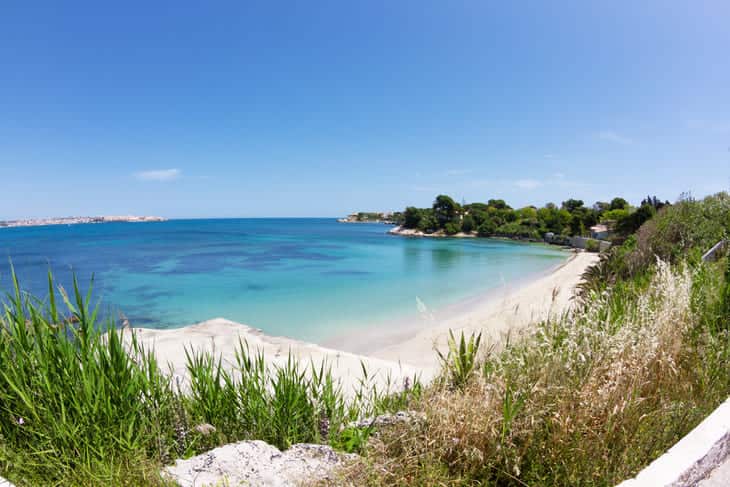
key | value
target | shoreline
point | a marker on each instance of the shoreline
(505, 310)
(388, 333)
(390, 355)
(78, 220)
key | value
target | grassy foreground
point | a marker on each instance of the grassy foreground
(81, 406)
(588, 398)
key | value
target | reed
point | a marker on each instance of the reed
(84, 403)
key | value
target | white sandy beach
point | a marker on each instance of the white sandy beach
(397, 355)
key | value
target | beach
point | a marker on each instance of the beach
(388, 356)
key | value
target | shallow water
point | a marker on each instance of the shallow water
(309, 279)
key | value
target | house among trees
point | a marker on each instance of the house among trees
(600, 232)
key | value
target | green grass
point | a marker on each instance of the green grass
(83, 403)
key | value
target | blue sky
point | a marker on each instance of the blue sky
(196, 109)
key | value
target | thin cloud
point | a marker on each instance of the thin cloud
(610, 136)
(158, 175)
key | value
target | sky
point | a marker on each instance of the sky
(254, 109)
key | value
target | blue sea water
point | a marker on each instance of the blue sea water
(310, 279)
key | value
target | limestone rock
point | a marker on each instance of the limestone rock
(256, 463)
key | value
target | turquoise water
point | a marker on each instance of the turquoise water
(310, 279)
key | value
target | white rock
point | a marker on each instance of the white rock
(256, 463)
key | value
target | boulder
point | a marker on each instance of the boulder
(257, 463)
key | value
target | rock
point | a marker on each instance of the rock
(256, 463)
(5, 483)
(388, 419)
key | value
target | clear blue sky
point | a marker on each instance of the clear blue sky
(195, 109)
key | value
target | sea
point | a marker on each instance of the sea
(305, 278)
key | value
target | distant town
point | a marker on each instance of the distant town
(75, 220)
(388, 217)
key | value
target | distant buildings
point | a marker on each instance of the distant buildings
(600, 232)
(369, 217)
(75, 220)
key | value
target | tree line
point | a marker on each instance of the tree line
(497, 218)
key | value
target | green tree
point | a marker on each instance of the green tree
(619, 204)
(428, 223)
(451, 228)
(498, 204)
(487, 228)
(572, 205)
(467, 224)
(601, 206)
(634, 220)
(445, 209)
(412, 217)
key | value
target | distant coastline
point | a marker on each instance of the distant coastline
(77, 220)
(387, 218)
(413, 232)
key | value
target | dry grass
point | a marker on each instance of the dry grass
(585, 400)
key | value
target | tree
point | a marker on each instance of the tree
(633, 221)
(654, 201)
(527, 213)
(467, 224)
(428, 223)
(576, 225)
(601, 206)
(444, 209)
(614, 215)
(487, 228)
(498, 204)
(572, 204)
(451, 228)
(412, 217)
(619, 204)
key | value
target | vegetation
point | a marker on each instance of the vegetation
(591, 397)
(497, 218)
(588, 398)
(82, 406)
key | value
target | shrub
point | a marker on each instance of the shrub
(592, 245)
(487, 228)
(451, 228)
(461, 359)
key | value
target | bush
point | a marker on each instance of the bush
(592, 245)
(451, 228)
(487, 228)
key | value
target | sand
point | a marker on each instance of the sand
(504, 311)
(388, 356)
